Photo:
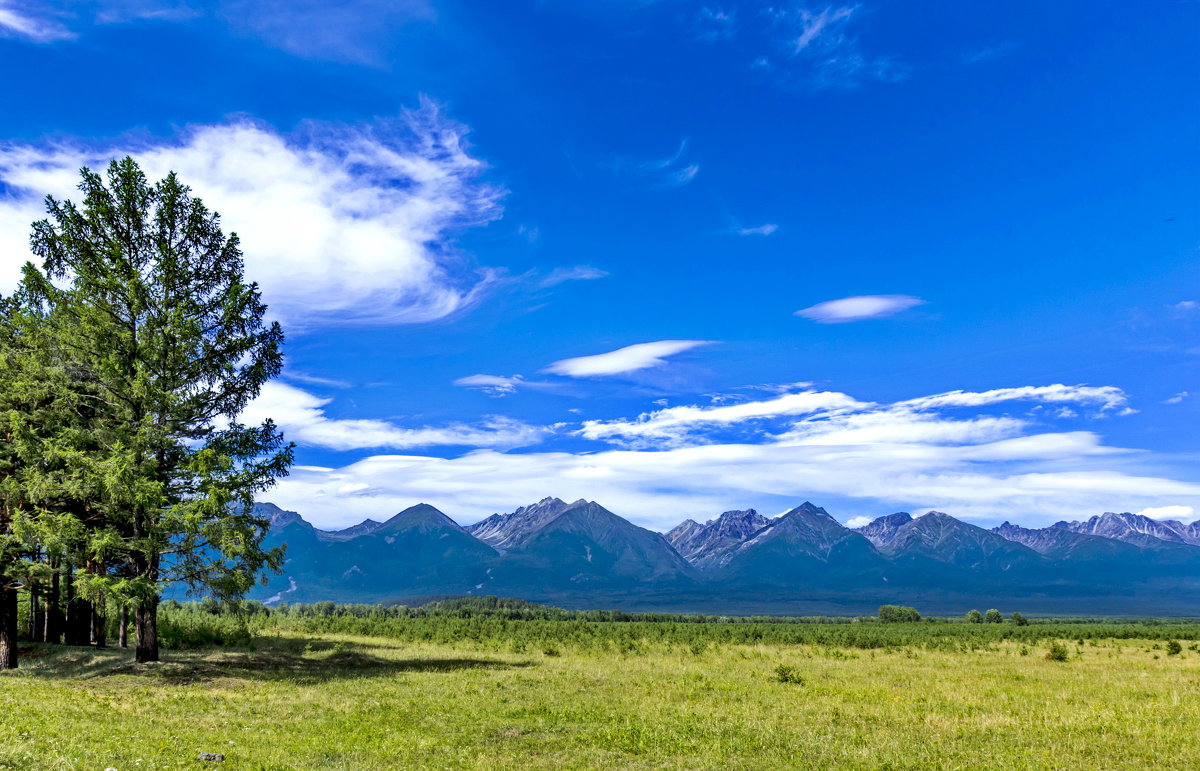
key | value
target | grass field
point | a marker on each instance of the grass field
(319, 700)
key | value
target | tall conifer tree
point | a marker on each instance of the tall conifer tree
(145, 295)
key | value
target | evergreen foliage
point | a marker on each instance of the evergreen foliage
(125, 361)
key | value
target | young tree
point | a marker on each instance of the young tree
(142, 290)
(993, 616)
(974, 617)
(1019, 619)
(898, 614)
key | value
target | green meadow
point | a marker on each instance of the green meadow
(485, 692)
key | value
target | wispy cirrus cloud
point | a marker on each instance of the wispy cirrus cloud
(859, 308)
(628, 359)
(820, 43)
(339, 224)
(713, 23)
(760, 230)
(501, 385)
(353, 31)
(668, 172)
(577, 273)
(33, 24)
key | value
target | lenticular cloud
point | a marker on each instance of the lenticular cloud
(338, 223)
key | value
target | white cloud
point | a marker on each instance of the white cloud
(858, 308)
(628, 359)
(1105, 397)
(577, 273)
(821, 42)
(826, 447)
(37, 29)
(1178, 513)
(832, 418)
(303, 418)
(1177, 398)
(327, 382)
(338, 223)
(671, 171)
(859, 521)
(658, 489)
(812, 25)
(675, 424)
(494, 385)
(713, 23)
(761, 230)
(354, 31)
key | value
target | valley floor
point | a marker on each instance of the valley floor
(337, 702)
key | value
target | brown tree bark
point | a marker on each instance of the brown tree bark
(35, 613)
(146, 621)
(123, 628)
(52, 631)
(99, 626)
(8, 625)
(69, 607)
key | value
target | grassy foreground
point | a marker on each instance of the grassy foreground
(343, 702)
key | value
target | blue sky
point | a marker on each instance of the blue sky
(883, 256)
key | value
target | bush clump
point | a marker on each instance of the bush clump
(1058, 652)
(1174, 648)
(785, 673)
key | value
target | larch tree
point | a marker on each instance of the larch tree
(142, 291)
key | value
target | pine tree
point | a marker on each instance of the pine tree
(142, 291)
(33, 406)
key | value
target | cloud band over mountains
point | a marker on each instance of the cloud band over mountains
(949, 451)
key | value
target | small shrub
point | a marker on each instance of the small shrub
(785, 673)
(1174, 648)
(1057, 652)
(1019, 619)
(551, 651)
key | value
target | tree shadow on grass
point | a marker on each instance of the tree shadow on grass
(322, 662)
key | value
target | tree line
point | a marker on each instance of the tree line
(126, 358)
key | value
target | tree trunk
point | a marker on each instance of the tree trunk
(69, 621)
(99, 626)
(35, 613)
(83, 622)
(146, 621)
(8, 625)
(123, 629)
(53, 628)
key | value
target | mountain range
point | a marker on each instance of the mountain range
(802, 562)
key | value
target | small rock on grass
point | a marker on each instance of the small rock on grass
(216, 757)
